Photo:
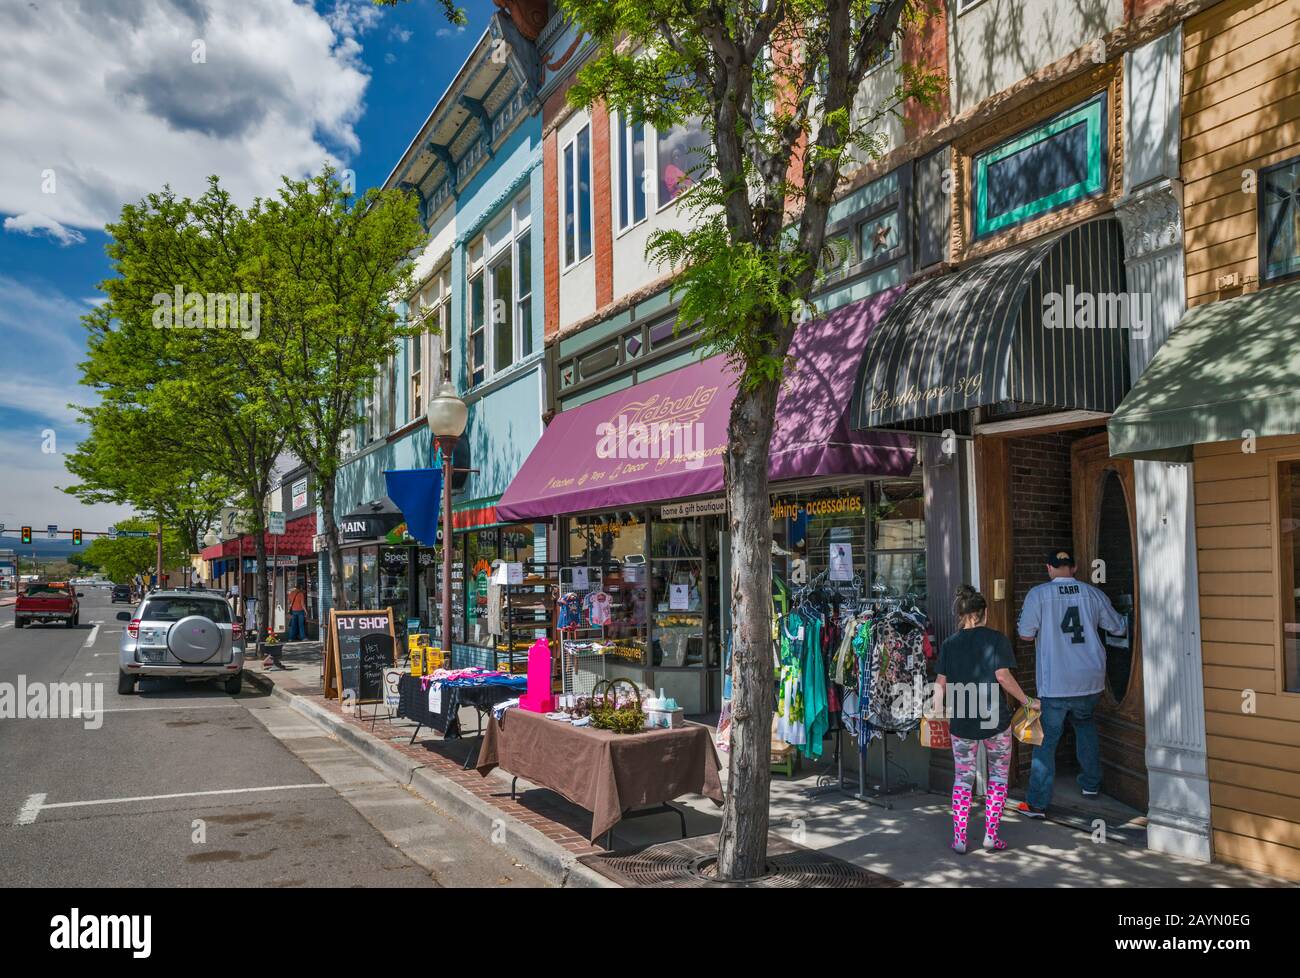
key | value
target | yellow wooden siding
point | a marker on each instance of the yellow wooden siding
(1240, 112)
(1252, 725)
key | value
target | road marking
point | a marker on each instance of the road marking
(101, 674)
(31, 808)
(6, 624)
(94, 634)
(96, 655)
(35, 804)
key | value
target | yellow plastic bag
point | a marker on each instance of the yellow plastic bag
(1027, 725)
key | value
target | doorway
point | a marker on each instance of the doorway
(1106, 548)
(1038, 489)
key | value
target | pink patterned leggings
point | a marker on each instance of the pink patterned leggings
(998, 749)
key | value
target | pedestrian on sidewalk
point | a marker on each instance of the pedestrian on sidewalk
(974, 668)
(297, 614)
(1062, 617)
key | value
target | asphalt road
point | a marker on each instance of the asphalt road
(184, 785)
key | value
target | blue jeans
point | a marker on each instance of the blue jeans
(1043, 770)
(297, 627)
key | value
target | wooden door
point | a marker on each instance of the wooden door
(1105, 541)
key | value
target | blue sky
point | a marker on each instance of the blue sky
(102, 101)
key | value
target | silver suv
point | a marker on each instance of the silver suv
(182, 635)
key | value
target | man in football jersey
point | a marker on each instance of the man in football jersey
(1061, 617)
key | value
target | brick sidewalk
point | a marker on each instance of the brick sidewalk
(540, 809)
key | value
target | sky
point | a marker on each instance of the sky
(105, 101)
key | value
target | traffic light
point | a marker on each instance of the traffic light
(27, 535)
(76, 537)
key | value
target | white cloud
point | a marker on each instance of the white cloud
(449, 31)
(400, 34)
(37, 224)
(107, 100)
(31, 477)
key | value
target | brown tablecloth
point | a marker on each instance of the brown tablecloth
(605, 773)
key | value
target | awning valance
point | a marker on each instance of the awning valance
(1230, 368)
(1032, 326)
(595, 456)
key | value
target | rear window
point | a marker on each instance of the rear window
(174, 609)
(37, 590)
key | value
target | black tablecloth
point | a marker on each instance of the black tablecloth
(414, 703)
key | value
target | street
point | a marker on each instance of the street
(191, 787)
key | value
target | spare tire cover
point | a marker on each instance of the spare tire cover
(194, 639)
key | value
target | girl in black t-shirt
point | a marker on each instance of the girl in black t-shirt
(974, 668)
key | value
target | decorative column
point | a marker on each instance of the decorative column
(1150, 213)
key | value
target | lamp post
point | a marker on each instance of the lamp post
(447, 415)
(210, 539)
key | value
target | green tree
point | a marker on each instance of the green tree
(177, 340)
(327, 267)
(122, 559)
(776, 85)
(124, 460)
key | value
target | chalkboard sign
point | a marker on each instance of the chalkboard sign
(359, 646)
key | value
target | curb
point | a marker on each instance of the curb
(536, 852)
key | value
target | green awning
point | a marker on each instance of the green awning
(1230, 367)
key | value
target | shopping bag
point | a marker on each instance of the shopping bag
(935, 734)
(1027, 725)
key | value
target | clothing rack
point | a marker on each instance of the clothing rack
(878, 794)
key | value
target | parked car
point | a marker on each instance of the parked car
(182, 635)
(121, 592)
(46, 601)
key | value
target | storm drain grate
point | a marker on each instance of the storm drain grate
(688, 864)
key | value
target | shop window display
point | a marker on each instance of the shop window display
(613, 548)
(677, 593)
(369, 578)
(898, 539)
(351, 582)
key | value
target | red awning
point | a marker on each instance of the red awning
(296, 540)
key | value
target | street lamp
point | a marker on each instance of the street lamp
(447, 415)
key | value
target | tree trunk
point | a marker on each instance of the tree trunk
(326, 492)
(742, 842)
(263, 578)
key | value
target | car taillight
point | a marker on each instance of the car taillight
(133, 629)
(237, 631)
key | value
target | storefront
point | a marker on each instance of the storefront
(634, 481)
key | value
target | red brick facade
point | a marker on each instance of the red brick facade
(927, 48)
(550, 231)
(602, 218)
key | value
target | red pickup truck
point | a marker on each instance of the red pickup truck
(46, 601)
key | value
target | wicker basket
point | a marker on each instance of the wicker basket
(606, 714)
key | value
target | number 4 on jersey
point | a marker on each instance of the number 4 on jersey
(1072, 625)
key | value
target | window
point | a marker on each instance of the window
(431, 308)
(477, 331)
(681, 155)
(500, 287)
(1279, 221)
(1288, 511)
(577, 197)
(632, 172)
(1042, 170)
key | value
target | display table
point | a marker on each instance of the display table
(610, 775)
(413, 704)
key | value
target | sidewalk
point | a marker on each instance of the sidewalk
(908, 843)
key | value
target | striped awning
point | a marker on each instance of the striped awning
(1044, 325)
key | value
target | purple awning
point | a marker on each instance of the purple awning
(663, 439)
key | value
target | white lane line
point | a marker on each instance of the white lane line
(101, 674)
(7, 624)
(96, 655)
(94, 634)
(31, 808)
(35, 804)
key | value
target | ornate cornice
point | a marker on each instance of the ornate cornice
(1152, 219)
(1105, 77)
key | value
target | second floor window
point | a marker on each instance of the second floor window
(681, 156)
(431, 308)
(576, 193)
(633, 174)
(1279, 221)
(500, 293)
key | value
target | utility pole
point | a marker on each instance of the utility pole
(159, 571)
